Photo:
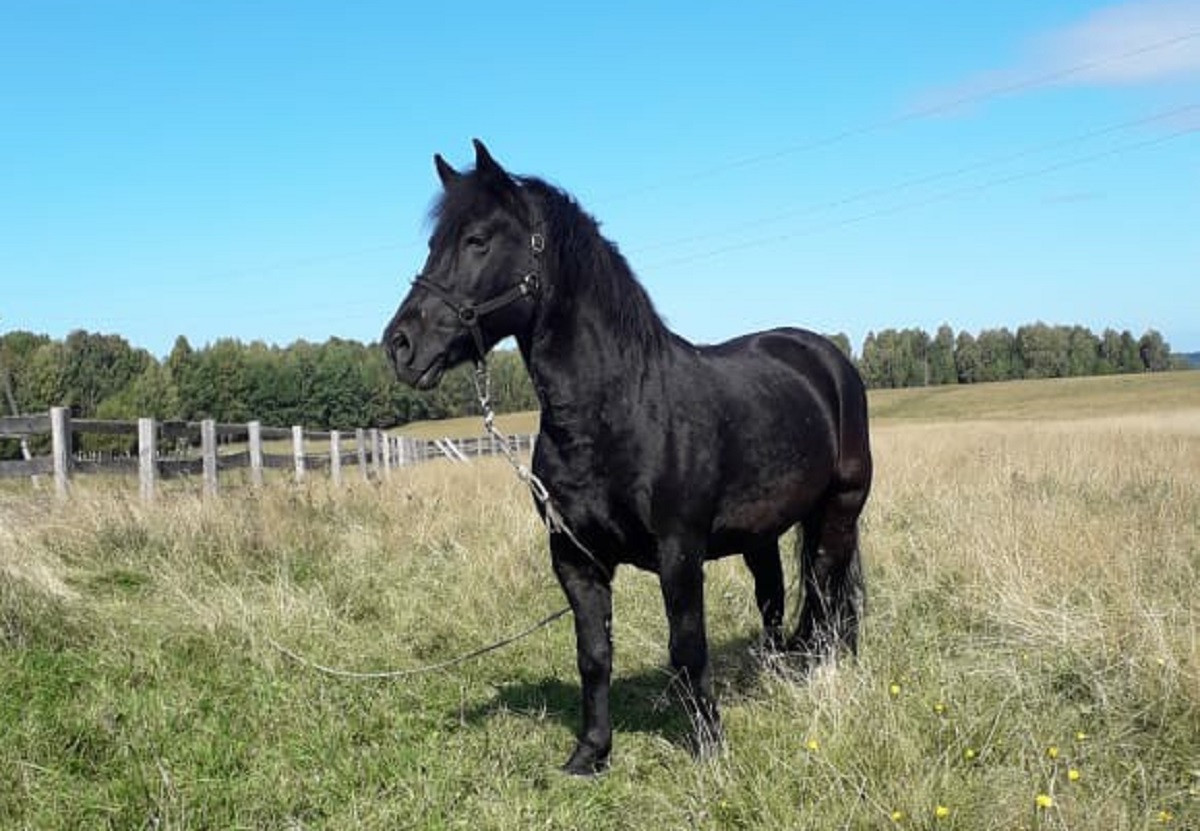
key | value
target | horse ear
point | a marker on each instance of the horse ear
(486, 165)
(445, 172)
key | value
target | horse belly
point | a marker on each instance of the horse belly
(763, 508)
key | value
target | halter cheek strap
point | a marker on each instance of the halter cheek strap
(469, 312)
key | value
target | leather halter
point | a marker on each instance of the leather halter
(469, 312)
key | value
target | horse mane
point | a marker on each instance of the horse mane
(589, 268)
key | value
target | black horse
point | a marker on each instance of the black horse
(655, 451)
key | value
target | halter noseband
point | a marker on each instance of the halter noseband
(469, 312)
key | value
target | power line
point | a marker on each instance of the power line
(880, 212)
(925, 179)
(938, 197)
(861, 196)
(825, 141)
(911, 115)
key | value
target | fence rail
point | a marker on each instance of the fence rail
(375, 453)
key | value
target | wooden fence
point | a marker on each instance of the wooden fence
(375, 453)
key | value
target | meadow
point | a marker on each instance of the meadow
(1030, 656)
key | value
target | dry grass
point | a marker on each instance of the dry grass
(1060, 398)
(1032, 586)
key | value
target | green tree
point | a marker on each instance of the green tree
(512, 391)
(1154, 351)
(912, 368)
(1083, 352)
(942, 369)
(1043, 350)
(1129, 359)
(98, 366)
(151, 395)
(869, 361)
(842, 341)
(182, 367)
(1109, 352)
(997, 355)
(966, 358)
(46, 379)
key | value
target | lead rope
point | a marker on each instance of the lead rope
(554, 520)
(554, 524)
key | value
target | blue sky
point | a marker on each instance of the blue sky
(262, 170)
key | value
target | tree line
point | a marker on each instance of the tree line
(343, 384)
(335, 385)
(910, 357)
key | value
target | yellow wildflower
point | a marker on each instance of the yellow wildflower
(897, 816)
(894, 689)
(1044, 800)
(969, 754)
(813, 745)
(1052, 751)
(1164, 817)
(941, 812)
(1073, 775)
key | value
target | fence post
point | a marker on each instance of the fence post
(208, 451)
(360, 437)
(298, 451)
(254, 428)
(387, 454)
(373, 442)
(147, 458)
(60, 437)
(335, 458)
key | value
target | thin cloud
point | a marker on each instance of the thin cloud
(1121, 29)
(1139, 42)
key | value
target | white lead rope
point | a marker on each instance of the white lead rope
(554, 523)
(403, 673)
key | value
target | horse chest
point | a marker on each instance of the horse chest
(605, 501)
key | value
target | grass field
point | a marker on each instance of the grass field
(1059, 398)
(1030, 657)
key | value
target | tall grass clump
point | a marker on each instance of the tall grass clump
(1029, 659)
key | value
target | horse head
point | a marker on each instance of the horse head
(480, 282)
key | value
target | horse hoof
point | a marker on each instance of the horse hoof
(586, 761)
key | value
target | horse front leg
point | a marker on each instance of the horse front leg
(589, 589)
(681, 577)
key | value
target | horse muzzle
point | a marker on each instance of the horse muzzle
(421, 371)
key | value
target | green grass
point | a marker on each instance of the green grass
(1031, 585)
(1058, 398)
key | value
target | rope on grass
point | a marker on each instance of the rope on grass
(404, 673)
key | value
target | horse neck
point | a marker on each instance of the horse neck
(579, 358)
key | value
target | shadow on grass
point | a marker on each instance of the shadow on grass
(645, 702)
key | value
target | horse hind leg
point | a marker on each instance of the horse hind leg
(765, 567)
(833, 581)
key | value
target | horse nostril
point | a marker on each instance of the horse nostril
(401, 348)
